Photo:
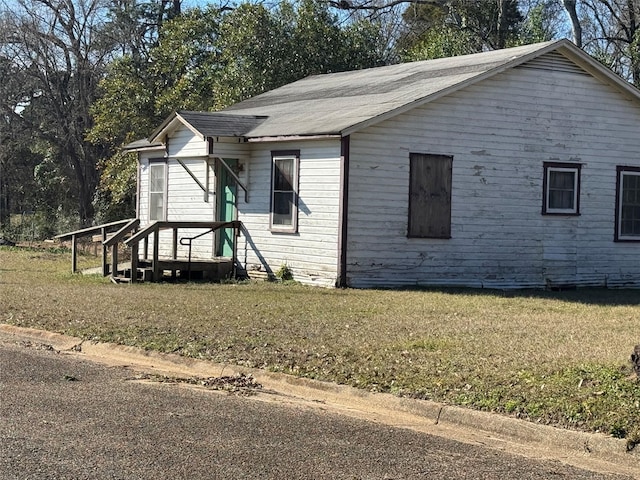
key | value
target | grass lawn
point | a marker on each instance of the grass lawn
(558, 358)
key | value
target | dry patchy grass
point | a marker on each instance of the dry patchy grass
(553, 357)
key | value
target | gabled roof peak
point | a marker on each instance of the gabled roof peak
(207, 124)
(345, 102)
(342, 103)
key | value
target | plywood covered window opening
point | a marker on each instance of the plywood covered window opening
(429, 195)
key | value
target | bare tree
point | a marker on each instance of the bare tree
(53, 45)
(609, 30)
(576, 27)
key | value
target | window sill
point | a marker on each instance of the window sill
(561, 214)
(290, 231)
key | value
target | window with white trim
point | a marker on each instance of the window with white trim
(561, 189)
(284, 191)
(628, 204)
(157, 190)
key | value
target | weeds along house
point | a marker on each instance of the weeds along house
(511, 168)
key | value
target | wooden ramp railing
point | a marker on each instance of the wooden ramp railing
(155, 228)
(128, 233)
(103, 230)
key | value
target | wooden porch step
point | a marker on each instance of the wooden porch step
(144, 274)
(119, 279)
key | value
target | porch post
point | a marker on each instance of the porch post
(156, 255)
(174, 251)
(114, 260)
(134, 262)
(105, 265)
(234, 255)
(74, 253)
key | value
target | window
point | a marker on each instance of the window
(561, 189)
(284, 191)
(628, 204)
(157, 189)
(429, 195)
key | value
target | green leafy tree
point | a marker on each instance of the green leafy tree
(262, 49)
(209, 59)
(141, 89)
(440, 29)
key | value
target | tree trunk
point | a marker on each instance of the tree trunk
(570, 7)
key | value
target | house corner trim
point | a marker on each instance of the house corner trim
(341, 280)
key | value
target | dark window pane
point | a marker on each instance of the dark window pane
(561, 190)
(630, 209)
(283, 175)
(283, 208)
(561, 180)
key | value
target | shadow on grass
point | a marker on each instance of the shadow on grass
(588, 296)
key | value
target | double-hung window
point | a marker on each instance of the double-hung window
(561, 189)
(284, 191)
(157, 189)
(628, 204)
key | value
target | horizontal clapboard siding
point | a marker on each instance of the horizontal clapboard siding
(186, 202)
(499, 132)
(185, 199)
(312, 252)
(184, 143)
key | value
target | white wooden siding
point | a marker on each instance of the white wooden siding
(185, 200)
(184, 143)
(312, 252)
(500, 132)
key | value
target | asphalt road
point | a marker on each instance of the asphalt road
(62, 417)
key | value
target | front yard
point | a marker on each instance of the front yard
(559, 358)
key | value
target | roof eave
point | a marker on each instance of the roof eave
(282, 138)
(142, 146)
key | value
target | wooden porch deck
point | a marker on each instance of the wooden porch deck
(171, 269)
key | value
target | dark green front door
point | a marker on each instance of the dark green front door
(226, 210)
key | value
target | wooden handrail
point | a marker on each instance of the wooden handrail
(142, 233)
(162, 225)
(120, 234)
(92, 230)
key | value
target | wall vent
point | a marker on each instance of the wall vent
(554, 61)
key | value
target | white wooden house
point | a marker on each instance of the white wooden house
(506, 169)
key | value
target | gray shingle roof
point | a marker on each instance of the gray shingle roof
(342, 103)
(219, 125)
(334, 103)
